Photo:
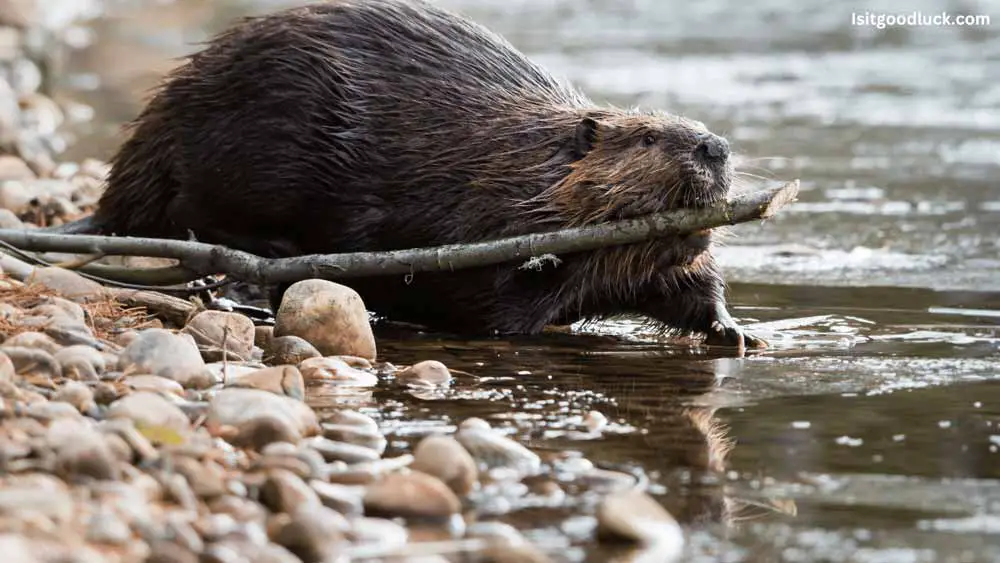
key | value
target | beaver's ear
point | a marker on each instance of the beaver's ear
(586, 136)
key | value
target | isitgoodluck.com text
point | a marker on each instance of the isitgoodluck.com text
(881, 20)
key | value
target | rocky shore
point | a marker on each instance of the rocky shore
(137, 427)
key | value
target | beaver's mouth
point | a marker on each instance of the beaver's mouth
(698, 240)
(705, 192)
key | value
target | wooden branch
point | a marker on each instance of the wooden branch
(205, 259)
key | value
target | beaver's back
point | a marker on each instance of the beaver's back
(348, 125)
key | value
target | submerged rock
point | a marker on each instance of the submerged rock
(427, 373)
(337, 371)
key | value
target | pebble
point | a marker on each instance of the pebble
(78, 395)
(282, 380)
(7, 369)
(57, 307)
(81, 362)
(68, 284)
(15, 196)
(594, 421)
(31, 339)
(634, 516)
(505, 544)
(48, 411)
(345, 499)
(150, 410)
(496, 450)
(289, 350)
(263, 336)
(139, 445)
(426, 373)
(446, 459)
(223, 372)
(233, 407)
(32, 362)
(257, 433)
(314, 533)
(242, 510)
(284, 491)
(334, 370)
(38, 494)
(220, 333)
(351, 418)
(9, 220)
(342, 451)
(385, 532)
(330, 316)
(207, 479)
(410, 495)
(154, 383)
(81, 450)
(105, 526)
(160, 352)
(365, 436)
(13, 168)
(603, 480)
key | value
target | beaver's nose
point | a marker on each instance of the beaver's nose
(712, 148)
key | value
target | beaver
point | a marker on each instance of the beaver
(364, 125)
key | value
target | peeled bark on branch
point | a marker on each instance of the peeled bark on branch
(202, 259)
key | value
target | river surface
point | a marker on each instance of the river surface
(871, 430)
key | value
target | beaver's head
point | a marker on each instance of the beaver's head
(628, 164)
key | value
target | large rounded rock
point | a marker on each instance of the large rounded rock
(219, 332)
(157, 351)
(330, 316)
(426, 373)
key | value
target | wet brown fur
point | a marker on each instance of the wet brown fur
(357, 125)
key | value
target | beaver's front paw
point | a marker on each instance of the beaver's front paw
(725, 332)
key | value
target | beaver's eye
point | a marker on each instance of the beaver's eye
(648, 140)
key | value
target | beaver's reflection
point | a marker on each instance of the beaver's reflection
(682, 443)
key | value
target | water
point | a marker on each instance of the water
(871, 430)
